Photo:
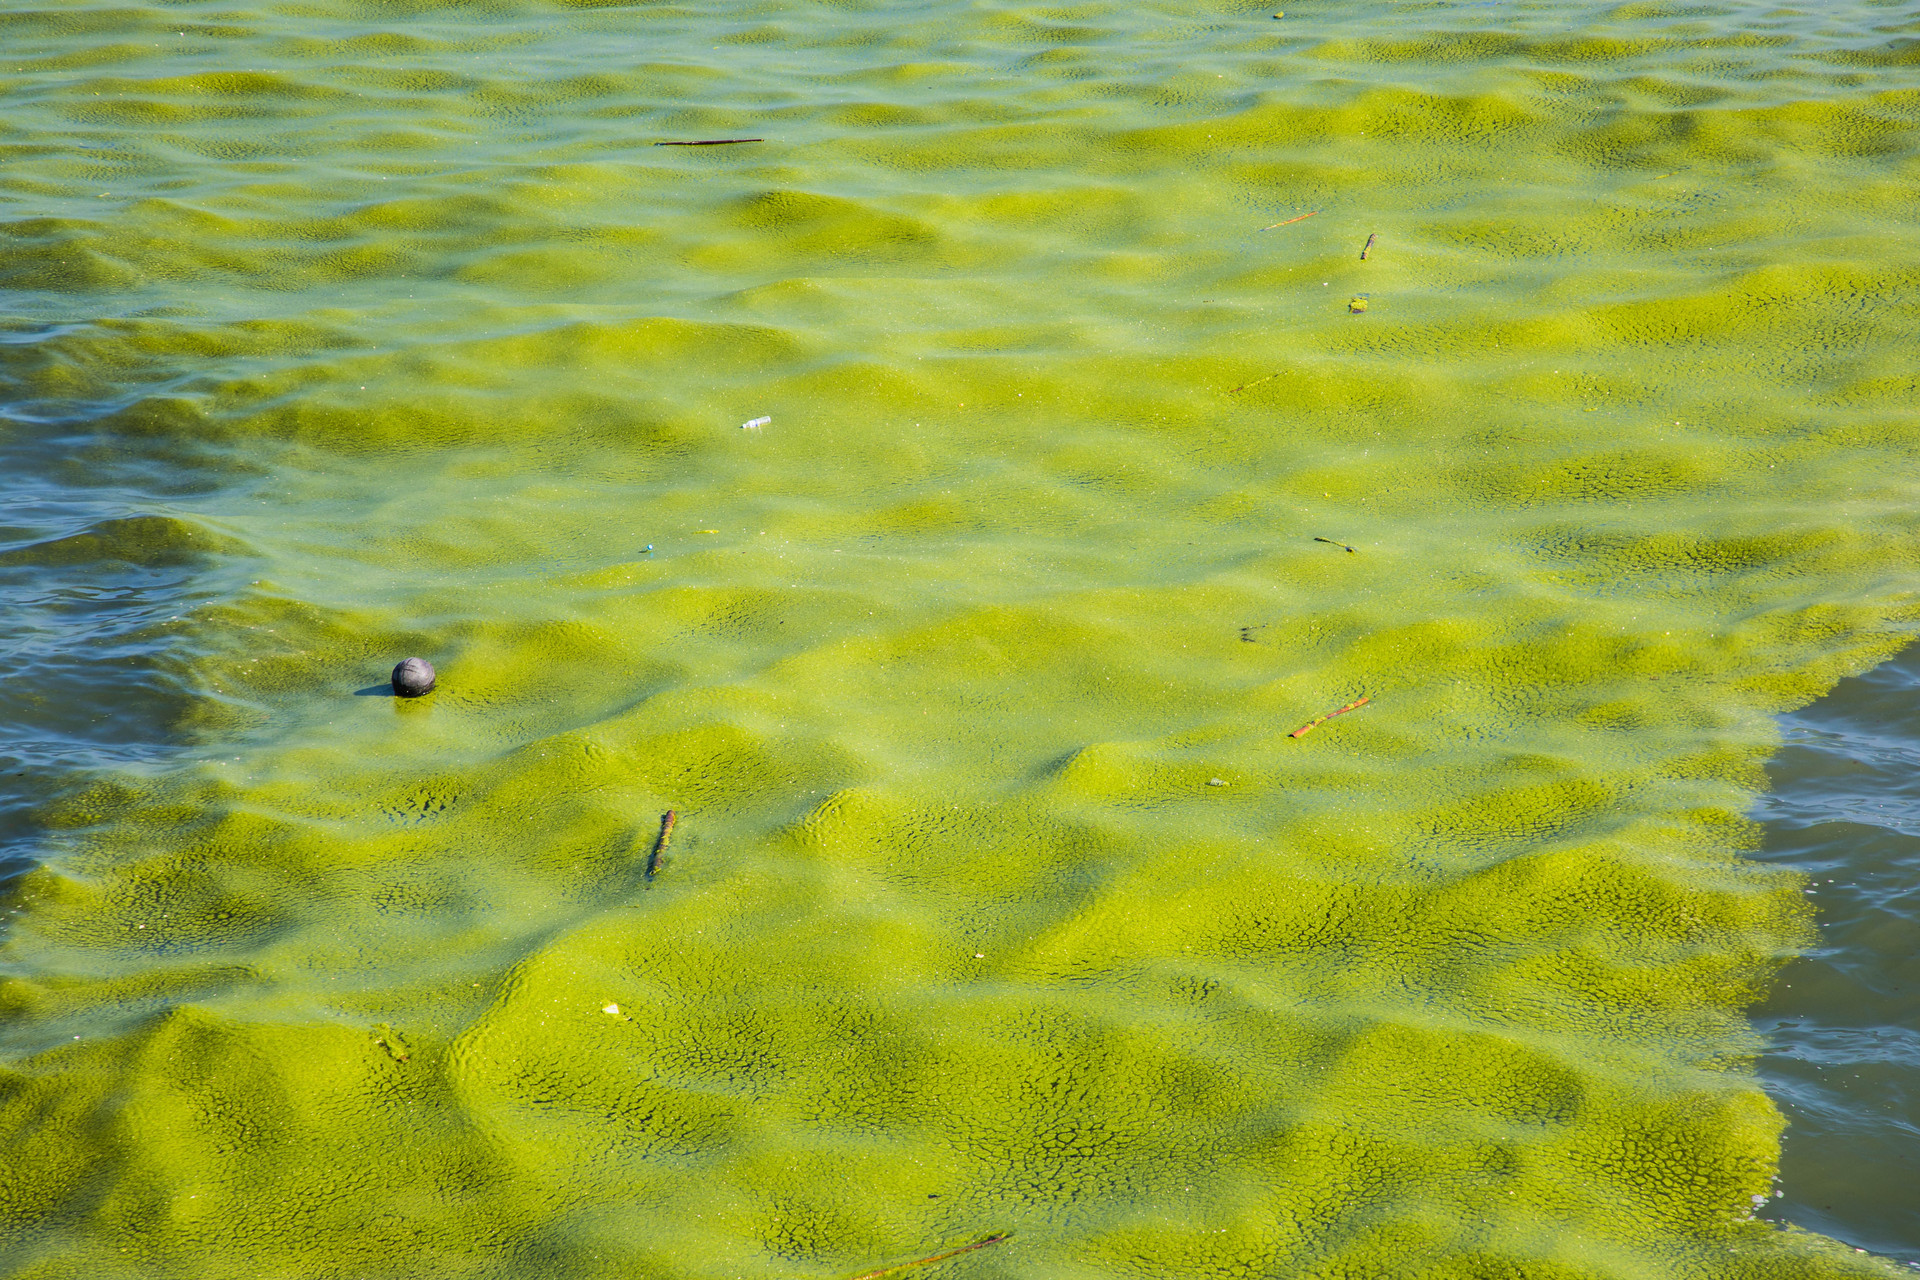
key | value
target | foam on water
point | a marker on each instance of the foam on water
(1000, 898)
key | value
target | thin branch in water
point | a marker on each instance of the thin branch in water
(655, 858)
(995, 1238)
(1290, 221)
(1317, 721)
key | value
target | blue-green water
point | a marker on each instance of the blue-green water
(1000, 897)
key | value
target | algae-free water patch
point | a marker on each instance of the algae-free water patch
(1162, 773)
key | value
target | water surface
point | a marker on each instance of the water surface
(1001, 898)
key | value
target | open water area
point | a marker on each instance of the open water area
(1093, 462)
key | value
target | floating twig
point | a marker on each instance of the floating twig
(1330, 542)
(1366, 248)
(1290, 221)
(654, 859)
(995, 1238)
(710, 142)
(1317, 721)
(1246, 633)
(1256, 382)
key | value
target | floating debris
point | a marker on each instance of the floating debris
(710, 142)
(389, 1039)
(1246, 633)
(412, 678)
(755, 425)
(1216, 782)
(1317, 721)
(1366, 248)
(1357, 304)
(1330, 542)
(996, 1238)
(658, 855)
(1256, 382)
(1290, 221)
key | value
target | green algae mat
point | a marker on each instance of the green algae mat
(1003, 896)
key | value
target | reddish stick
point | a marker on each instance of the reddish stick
(1290, 221)
(1317, 721)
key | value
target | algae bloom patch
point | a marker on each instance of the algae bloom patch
(1143, 773)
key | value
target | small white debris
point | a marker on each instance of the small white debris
(1216, 782)
(613, 1009)
(755, 425)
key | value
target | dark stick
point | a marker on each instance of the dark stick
(938, 1257)
(667, 820)
(709, 142)
(1330, 542)
(1366, 248)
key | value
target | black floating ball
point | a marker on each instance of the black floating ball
(413, 678)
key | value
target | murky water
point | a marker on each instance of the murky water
(1001, 898)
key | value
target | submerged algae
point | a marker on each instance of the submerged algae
(940, 672)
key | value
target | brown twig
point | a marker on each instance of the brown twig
(709, 142)
(667, 820)
(1366, 248)
(995, 1238)
(1330, 542)
(1317, 721)
(1256, 382)
(1290, 221)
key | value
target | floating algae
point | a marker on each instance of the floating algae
(392, 1042)
(972, 944)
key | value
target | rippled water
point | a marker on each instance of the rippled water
(1001, 898)
(1843, 1023)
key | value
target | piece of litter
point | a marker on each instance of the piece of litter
(1216, 782)
(613, 1009)
(755, 425)
(646, 548)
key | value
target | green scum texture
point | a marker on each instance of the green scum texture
(1001, 899)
